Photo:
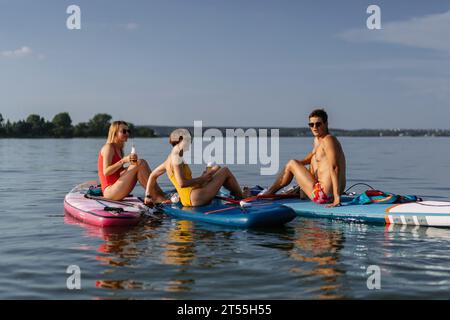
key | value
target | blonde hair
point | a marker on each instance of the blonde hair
(113, 130)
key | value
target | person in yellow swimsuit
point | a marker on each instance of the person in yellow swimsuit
(192, 191)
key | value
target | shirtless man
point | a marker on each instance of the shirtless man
(325, 181)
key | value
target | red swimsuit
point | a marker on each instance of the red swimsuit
(107, 181)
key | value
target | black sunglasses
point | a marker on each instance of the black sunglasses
(126, 131)
(315, 124)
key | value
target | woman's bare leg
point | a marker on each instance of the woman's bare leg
(223, 177)
(144, 172)
(127, 181)
(123, 186)
(231, 183)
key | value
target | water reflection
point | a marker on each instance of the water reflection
(119, 284)
(169, 258)
(394, 231)
(190, 246)
(174, 246)
(179, 247)
(118, 249)
(317, 249)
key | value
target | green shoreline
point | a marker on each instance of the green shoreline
(163, 132)
(61, 127)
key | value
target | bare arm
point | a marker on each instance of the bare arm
(175, 166)
(307, 159)
(331, 149)
(194, 182)
(151, 184)
(108, 153)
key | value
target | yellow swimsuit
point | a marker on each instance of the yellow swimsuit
(184, 193)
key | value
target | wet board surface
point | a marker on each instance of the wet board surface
(264, 213)
(423, 213)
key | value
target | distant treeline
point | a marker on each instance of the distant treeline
(391, 133)
(163, 131)
(61, 126)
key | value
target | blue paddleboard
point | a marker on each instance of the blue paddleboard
(261, 213)
(421, 213)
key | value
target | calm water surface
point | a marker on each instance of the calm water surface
(170, 259)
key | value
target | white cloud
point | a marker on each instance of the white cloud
(131, 26)
(18, 53)
(428, 32)
(22, 52)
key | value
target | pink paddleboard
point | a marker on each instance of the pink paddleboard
(93, 211)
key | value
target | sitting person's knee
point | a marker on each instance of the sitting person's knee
(291, 163)
(142, 162)
(225, 169)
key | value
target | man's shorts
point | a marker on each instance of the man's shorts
(319, 196)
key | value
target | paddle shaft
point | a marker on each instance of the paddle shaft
(129, 204)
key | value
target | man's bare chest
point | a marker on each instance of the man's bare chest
(320, 155)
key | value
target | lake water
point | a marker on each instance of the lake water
(170, 259)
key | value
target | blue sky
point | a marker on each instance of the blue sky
(228, 63)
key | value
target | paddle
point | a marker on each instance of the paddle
(128, 204)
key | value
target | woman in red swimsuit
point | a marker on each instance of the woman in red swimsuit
(117, 181)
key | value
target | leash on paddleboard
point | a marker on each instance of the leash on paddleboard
(358, 184)
(140, 208)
